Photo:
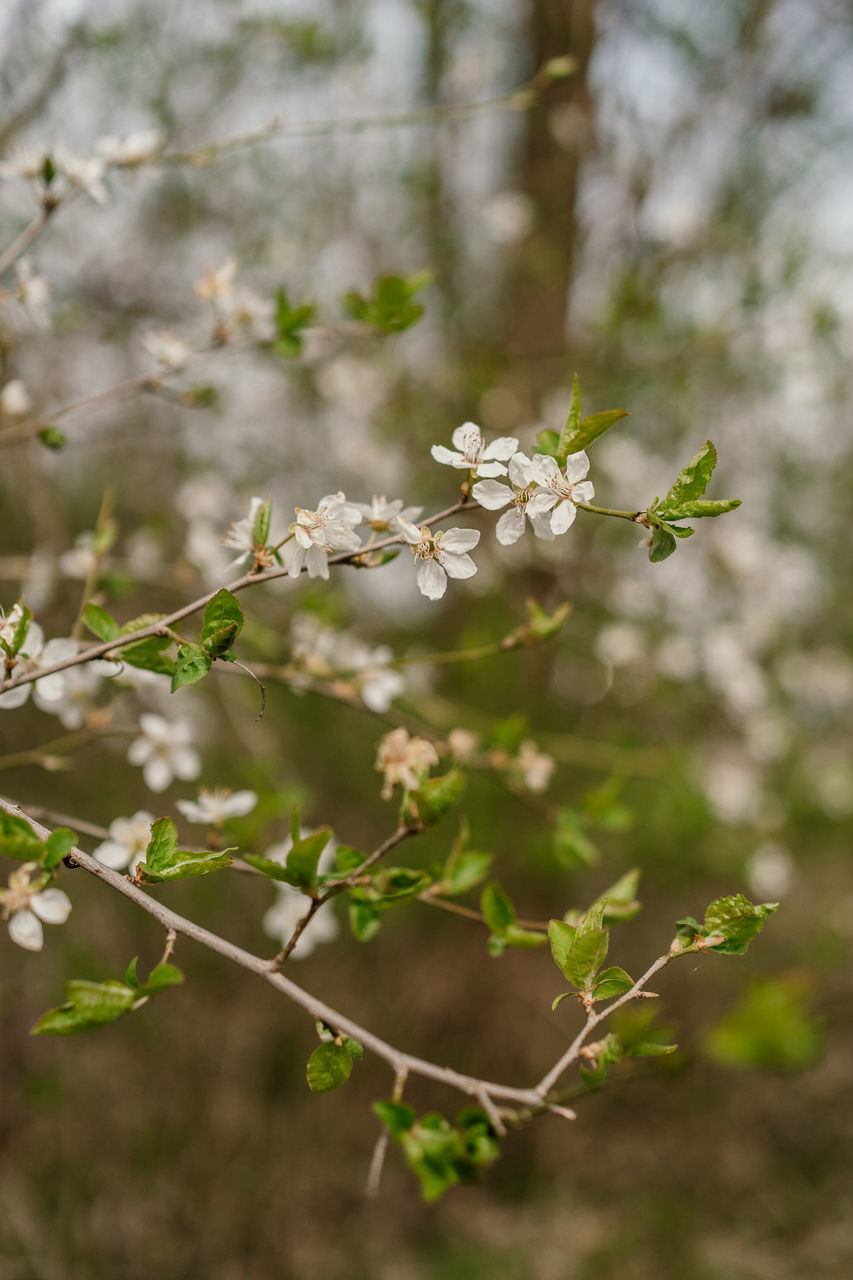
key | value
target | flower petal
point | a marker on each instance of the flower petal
(458, 566)
(432, 580)
(456, 540)
(583, 492)
(563, 516)
(491, 495)
(157, 774)
(468, 436)
(112, 854)
(51, 905)
(410, 531)
(520, 470)
(26, 930)
(510, 527)
(577, 466)
(503, 448)
(447, 456)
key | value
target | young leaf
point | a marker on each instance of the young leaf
(191, 664)
(396, 1116)
(737, 920)
(572, 423)
(498, 911)
(691, 482)
(261, 527)
(99, 622)
(463, 871)
(161, 977)
(303, 858)
(593, 426)
(662, 546)
(328, 1067)
(580, 952)
(99, 1002)
(437, 796)
(525, 938)
(612, 982)
(18, 840)
(273, 870)
(57, 845)
(364, 919)
(221, 624)
(146, 654)
(165, 861)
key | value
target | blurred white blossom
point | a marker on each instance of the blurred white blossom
(212, 808)
(404, 761)
(164, 751)
(128, 842)
(291, 905)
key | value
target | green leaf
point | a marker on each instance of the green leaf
(64, 1021)
(161, 977)
(395, 884)
(99, 622)
(770, 1028)
(620, 899)
(99, 1002)
(515, 936)
(593, 426)
(192, 664)
(165, 861)
(266, 866)
(364, 920)
(347, 859)
(18, 840)
(572, 424)
(390, 306)
(221, 624)
(303, 858)
(699, 510)
(612, 982)
(146, 654)
(558, 1000)
(498, 911)
(463, 871)
(328, 1067)
(691, 482)
(572, 845)
(549, 442)
(737, 920)
(396, 1117)
(295, 827)
(52, 438)
(261, 527)
(662, 546)
(130, 978)
(579, 952)
(57, 846)
(437, 796)
(289, 322)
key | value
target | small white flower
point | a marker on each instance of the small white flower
(535, 767)
(404, 761)
(164, 751)
(129, 838)
(26, 906)
(213, 807)
(519, 495)
(217, 283)
(33, 293)
(241, 537)
(34, 654)
(290, 906)
(15, 399)
(560, 490)
(383, 516)
(443, 555)
(323, 652)
(84, 172)
(473, 453)
(463, 744)
(167, 348)
(318, 533)
(133, 149)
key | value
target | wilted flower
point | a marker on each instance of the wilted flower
(443, 555)
(164, 751)
(404, 761)
(318, 533)
(492, 495)
(213, 807)
(128, 842)
(473, 453)
(290, 906)
(25, 905)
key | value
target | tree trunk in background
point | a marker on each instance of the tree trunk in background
(557, 138)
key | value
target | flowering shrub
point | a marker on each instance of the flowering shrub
(423, 773)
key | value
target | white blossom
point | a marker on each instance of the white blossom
(15, 399)
(404, 761)
(290, 906)
(443, 555)
(167, 348)
(164, 751)
(329, 654)
(383, 516)
(34, 654)
(217, 283)
(84, 172)
(33, 293)
(509, 217)
(128, 842)
(241, 537)
(318, 533)
(26, 162)
(534, 766)
(560, 490)
(212, 808)
(473, 454)
(130, 150)
(518, 495)
(25, 905)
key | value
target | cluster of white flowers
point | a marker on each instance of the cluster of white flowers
(26, 904)
(68, 694)
(323, 652)
(44, 165)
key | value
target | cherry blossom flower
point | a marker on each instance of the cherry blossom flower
(213, 807)
(534, 766)
(404, 761)
(168, 348)
(473, 453)
(164, 751)
(131, 150)
(241, 537)
(560, 490)
(35, 653)
(15, 399)
(129, 838)
(520, 495)
(318, 533)
(290, 906)
(443, 555)
(382, 515)
(329, 654)
(25, 904)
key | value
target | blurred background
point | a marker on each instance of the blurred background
(672, 221)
